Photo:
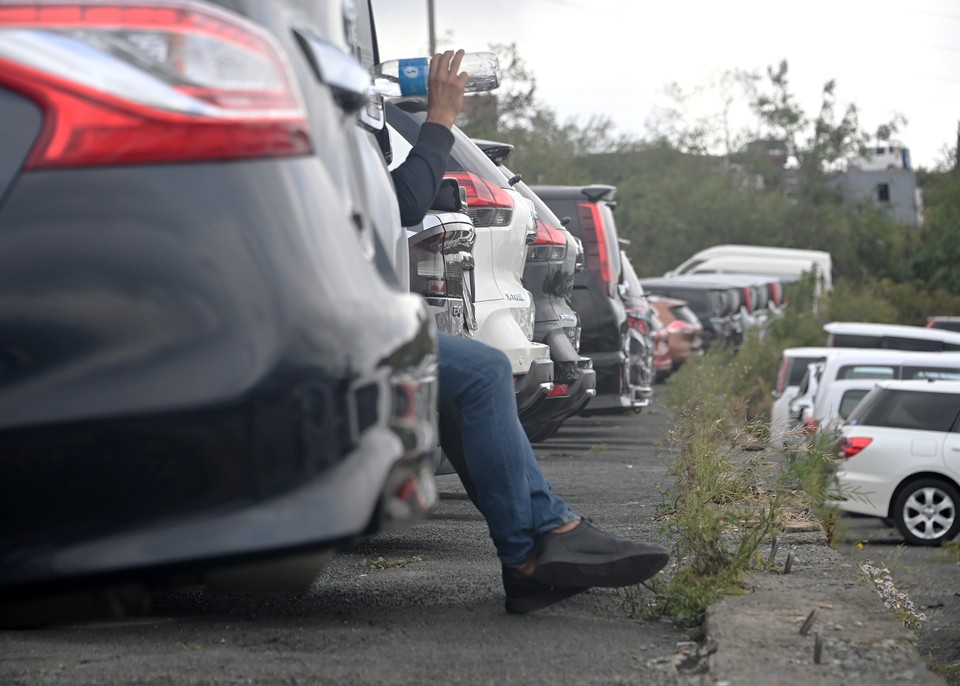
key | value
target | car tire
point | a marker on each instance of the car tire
(925, 512)
(542, 432)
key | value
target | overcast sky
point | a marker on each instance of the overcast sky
(615, 57)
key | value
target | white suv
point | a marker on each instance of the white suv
(900, 459)
(504, 223)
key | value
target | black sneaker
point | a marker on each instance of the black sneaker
(586, 557)
(526, 594)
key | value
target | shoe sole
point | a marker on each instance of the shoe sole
(575, 573)
(532, 603)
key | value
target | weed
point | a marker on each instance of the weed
(897, 601)
(598, 449)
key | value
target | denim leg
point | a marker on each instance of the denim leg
(512, 493)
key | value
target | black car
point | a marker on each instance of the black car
(553, 260)
(604, 333)
(199, 365)
(713, 304)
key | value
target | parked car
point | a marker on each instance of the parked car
(683, 328)
(790, 376)
(505, 225)
(891, 336)
(787, 263)
(900, 459)
(837, 402)
(640, 318)
(875, 364)
(604, 333)
(942, 322)
(754, 299)
(199, 364)
(553, 260)
(711, 302)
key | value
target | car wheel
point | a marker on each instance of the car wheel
(926, 512)
(542, 432)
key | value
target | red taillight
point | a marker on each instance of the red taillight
(487, 203)
(638, 323)
(595, 243)
(810, 426)
(747, 299)
(775, 293)
(160, 81)
(930, 324)
(558, 390)
(550, 244)
(677, 326)
(851, 446)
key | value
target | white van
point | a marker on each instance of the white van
(786, 263)
(890, 337)
(875, 365)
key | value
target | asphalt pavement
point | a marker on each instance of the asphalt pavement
(425, 605)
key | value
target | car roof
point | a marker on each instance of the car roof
(898, 330)
(926, 386)
(811, 351)
(887, 354)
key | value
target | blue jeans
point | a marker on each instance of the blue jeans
(507, 485)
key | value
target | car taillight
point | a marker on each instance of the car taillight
(437, 264)
(747, 299)
(487, 203)
(154, 81)
(558, 390)
(550, 244)
(595, 243)
(639, 323)
(851, 446)
(677, 326)
(810, 426)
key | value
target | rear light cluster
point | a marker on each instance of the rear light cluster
(637, 321)
(851, 446)
(782, 375)
(595, 243)
(156, 81)
(487, 203)
(440, 263)
(550, 244)
(747, 299)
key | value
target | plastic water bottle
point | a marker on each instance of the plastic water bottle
(408, 78)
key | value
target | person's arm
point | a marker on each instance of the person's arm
(418, 179)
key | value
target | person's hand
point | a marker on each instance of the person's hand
(445, 88)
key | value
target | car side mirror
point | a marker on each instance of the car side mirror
(451, 197)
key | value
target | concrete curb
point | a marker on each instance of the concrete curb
(820, 624)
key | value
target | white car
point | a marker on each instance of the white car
(790, 373)
(505, 224)
(900, 459)
(891, 337)
(837, 403)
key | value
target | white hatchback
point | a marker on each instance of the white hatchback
(900, 459)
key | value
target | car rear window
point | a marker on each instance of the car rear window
(899, 343)
(465, 154)
(918, 410)
(850, 400)
(938, 373)
(798, 369)
(867, 371)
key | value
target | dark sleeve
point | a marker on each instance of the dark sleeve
(417, 180)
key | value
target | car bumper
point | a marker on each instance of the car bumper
(532, 388)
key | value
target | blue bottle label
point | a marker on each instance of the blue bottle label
(413, 77)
